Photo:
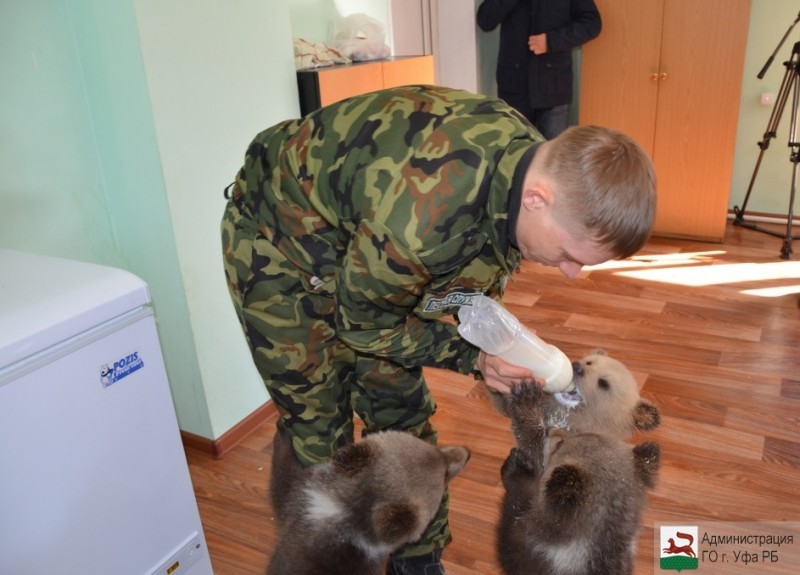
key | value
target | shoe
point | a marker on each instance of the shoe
(430, 564)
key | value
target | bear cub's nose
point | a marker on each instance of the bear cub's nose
(577, 368)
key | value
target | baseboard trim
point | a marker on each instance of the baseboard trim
(218, 448)
(767, 218)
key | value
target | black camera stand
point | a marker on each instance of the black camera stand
(790, 85)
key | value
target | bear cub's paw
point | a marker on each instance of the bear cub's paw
(525, 401)
(517, 462)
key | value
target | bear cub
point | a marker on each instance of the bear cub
(347, 515)
(573, 501)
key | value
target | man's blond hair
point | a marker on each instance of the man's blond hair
(604, 184)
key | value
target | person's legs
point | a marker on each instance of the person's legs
(292, 339)
(314, 379)
(388, 396)
(551, 121)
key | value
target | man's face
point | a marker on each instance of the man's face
(542, 239)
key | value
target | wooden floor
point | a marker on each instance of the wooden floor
(711, 331)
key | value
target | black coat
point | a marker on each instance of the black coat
(525, 80)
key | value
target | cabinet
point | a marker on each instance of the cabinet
(322, 86)
(669, 74)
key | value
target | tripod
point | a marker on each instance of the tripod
(789, 85)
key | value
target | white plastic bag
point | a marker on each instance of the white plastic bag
(360, 38)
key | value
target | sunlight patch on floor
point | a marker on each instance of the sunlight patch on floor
(659, 260)
(719, 274)
(697, 269)
(778, 291)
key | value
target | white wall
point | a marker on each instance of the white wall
(455, 44)
(410, 27)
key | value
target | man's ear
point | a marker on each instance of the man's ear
(536, 195)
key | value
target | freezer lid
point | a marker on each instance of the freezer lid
(45, 300)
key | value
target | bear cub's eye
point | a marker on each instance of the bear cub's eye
(603, 383)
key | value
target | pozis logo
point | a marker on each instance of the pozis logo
(123, 367)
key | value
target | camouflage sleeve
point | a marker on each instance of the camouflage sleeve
(377, 290)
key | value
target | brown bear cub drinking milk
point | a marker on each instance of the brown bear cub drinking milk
(574, 489)
(345, 516)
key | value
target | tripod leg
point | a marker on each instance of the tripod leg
(739, 212)
(794, 156)
(770, 133)
(786, 248)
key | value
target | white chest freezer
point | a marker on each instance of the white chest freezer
(93, 477)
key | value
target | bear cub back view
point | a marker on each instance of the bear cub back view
(573, 499)
(347, 515)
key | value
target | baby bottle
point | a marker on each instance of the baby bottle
(491, 327)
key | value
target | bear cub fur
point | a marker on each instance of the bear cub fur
(347, 515)
(573, 500)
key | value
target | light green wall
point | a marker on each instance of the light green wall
(121, 123)
(217, 73)
(314, 29)
(769, 21)
(52, 194)
(107, 47)
(122, 120)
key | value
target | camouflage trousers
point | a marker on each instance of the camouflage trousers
(317, 382)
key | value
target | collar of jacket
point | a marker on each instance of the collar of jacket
(501, 191)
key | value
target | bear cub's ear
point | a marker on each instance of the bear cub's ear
(352, 458)
(646, 416)
(647, 460)
(396, 522)
(456, 458)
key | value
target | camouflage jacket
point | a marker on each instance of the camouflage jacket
(395, 204)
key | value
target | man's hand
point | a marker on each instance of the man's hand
(537, 43)
(501, 376)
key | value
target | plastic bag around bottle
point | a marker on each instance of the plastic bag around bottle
(488, 325)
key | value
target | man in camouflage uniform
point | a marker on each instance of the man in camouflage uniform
(351, 232)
